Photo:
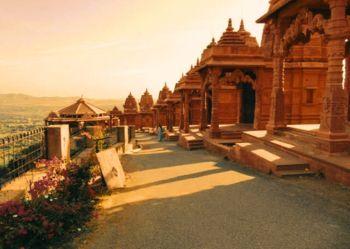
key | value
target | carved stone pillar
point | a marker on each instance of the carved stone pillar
(170, 117)
(154, 116)
(214, 126)
(332, 133)
(276, 119)
(158, 117)
(187, 112)
(239, 104)
(347, 80)
(203, 115)
(181, 114)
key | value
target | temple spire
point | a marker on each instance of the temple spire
(241, 27)
(229, 26)
(197, 61)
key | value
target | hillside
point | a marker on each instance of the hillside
(23, 101)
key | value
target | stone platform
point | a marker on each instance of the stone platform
(294, 150)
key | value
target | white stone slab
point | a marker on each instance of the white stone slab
(111, 168)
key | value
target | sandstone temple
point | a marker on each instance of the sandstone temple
(281, 107)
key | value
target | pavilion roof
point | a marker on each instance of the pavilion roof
(275, 6)
(235, 48)
(81, 107)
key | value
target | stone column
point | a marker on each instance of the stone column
(214, 126)
(170, 117)
(158, 117)
(203, 116)
(181, 114)
(347, 82)
(239, 104)
(332, 133)
(187, 113)
(276, 119)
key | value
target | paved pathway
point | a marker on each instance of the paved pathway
(194, 200)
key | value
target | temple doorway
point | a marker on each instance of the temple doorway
(248, 104)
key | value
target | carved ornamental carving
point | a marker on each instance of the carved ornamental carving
(303, 26)
(236, 77)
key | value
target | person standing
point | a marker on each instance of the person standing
(160, 133)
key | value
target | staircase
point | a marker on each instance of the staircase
(172, 136)
(190, 141)
(273, 154)
(195, 144)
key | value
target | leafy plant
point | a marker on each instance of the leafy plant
(58, 206)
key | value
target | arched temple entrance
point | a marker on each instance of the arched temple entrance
(247, 104)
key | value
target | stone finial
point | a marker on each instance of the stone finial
(229, 26)
(197, 61)
(191, 66)
(241, 26)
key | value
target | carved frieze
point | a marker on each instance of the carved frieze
(236, 77)
(302, 27)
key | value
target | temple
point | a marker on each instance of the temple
(138, 115)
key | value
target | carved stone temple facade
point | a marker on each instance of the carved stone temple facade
(237, 76)
(290, 23)
(138, 115)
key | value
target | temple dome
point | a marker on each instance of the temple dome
(163, 94)
(146, 102)
(115, 111)
(237, 38)
(130, 105)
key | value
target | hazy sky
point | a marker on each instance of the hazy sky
(107, 48)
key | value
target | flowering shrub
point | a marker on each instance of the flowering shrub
(58, 205)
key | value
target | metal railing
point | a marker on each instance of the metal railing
(18, 153)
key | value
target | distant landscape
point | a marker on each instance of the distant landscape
(20, 112)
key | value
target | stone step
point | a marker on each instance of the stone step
(291, 173)
(197, 147)
(269, 159)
